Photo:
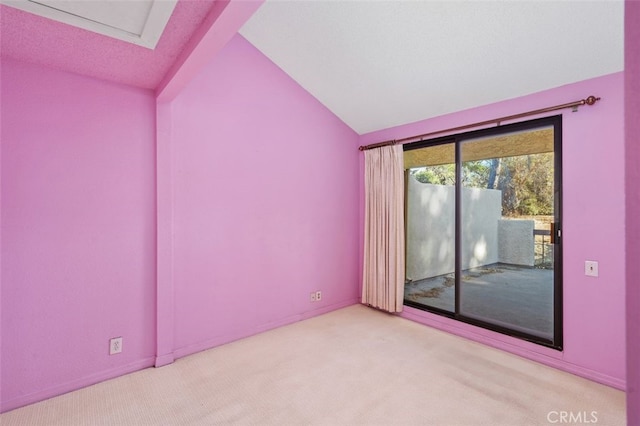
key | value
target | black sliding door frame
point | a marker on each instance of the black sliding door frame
(458, 140)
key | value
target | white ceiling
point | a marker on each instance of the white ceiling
(378, 64)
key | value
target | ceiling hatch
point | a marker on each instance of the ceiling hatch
(139, 22)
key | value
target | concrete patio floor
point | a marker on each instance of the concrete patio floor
(507, 295)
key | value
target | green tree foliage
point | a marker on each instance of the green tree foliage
(526, 181)
(437, 175)
(532, 183)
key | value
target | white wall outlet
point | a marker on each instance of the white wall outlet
(313, 296)
(318, 296)
(115, 345)
(591, 268)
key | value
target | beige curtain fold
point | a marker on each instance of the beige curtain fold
(383, 277)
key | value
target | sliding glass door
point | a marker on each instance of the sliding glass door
(430, 221)
(483, 229)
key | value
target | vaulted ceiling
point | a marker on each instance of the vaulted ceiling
(378, 64)
(375, 64)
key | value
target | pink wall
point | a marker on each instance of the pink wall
(262, 184)
(632, 155)
(593, 184)
(78, 231)
(265, 185)
(263, 201)
(1, 144)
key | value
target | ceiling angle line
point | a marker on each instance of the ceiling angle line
(591, 100)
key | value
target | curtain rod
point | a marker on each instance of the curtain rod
(589, 101)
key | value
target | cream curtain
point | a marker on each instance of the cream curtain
(383, 277)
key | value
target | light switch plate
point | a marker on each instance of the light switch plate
(591, 268)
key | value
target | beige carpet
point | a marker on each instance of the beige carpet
(355, 366)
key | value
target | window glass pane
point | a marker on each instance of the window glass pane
(507, 208)
(430, 242)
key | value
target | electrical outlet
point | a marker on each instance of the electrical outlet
(115, 345)
(313, 296)
(318, 296)
(591, 268)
